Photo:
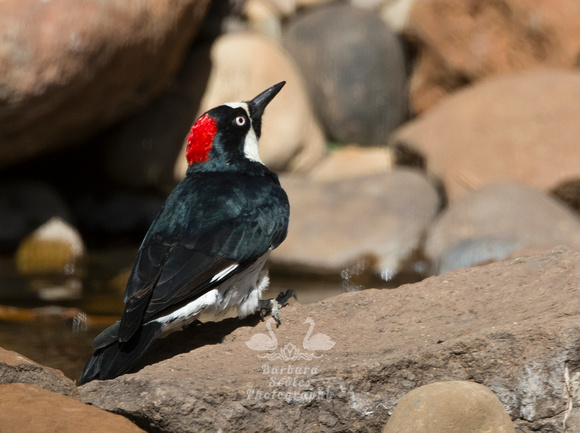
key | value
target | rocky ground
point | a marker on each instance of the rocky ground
(417, 140)
(511, 326)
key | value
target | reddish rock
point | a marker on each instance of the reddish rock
(30, 409)
(15, 368)
(69, 68)
(518, 127)
(460, 42)
(512, 326)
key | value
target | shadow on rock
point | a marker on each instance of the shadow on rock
(196, 335)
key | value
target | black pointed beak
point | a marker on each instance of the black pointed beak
(259, 103)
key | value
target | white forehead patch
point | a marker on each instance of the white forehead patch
(251, 143)
(239, 105)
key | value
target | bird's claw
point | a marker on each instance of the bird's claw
(272, 306)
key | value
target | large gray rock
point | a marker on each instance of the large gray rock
(512, 326)
(494, 222)
(354, 67)
(69, 68)
(376, 221)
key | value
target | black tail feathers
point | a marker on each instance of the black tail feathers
(113, 358)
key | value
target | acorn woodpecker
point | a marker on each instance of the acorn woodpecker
(207, 246)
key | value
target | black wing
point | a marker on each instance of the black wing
(187, 245)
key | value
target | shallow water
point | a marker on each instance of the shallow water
(53, 320)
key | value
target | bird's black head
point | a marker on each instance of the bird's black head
(230, 131)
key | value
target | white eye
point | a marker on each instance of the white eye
(240, 120)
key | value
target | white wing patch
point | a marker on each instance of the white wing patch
(222, 274)
(191, 310)
(251, 143)
(243, 290)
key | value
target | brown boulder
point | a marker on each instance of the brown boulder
(29, 409)
(69, 68)
(450, 407)
(376, 222)
(460, 42)
(518, 127)
(511, 326)
(15, 368)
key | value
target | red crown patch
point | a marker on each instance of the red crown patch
(200, 139)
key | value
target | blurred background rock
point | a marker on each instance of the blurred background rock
(413, 136)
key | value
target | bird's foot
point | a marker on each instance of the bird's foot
(272, 306)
